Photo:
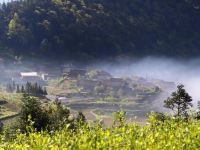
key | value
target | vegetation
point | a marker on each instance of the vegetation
(180, 102)
(30, 88)
(45, 116)
(198, 111)
(167, 135)
(10, 104)
(92, 30)
(48, 126)
(98, 29)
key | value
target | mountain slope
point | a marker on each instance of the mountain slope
(93, 29)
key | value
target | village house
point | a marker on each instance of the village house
(74, 73)
(99, 75)
(31, 77)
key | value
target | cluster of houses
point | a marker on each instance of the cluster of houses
(86, 79)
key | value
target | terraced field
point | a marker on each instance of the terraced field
(87, 99)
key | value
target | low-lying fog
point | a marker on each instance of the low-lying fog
(178, 71)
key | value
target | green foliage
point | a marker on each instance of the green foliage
(166, 136)
(179, 102)
(33, 89)
(161, 132)
(12, 98)
(57, 116)
(160, 116)
(13, 24)
(31, 107)
(197, 115)
(45, 116)
(119, 118)
(100, 28)
(80, 120)
(47, 126)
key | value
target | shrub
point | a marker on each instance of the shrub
(45, 116)
(168, 135)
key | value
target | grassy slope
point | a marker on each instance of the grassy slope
(12, 106)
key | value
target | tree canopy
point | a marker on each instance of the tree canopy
(91, 29)
(180, 101)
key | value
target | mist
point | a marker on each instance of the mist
(186, 72)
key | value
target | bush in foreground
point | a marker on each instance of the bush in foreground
(170, 134)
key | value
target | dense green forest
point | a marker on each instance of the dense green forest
(93, 29)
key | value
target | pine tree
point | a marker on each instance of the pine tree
(45, 91)
(27, 88)
(18, 89)
(13, 86)
(180, 102)
(34, 89)
(22, 89)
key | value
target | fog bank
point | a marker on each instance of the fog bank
(178, 71)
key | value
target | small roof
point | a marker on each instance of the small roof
(29, 74)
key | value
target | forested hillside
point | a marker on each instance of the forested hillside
(91, 29)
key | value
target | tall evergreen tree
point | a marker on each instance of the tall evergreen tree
(18, 89)
(180, 101)
(22, 89)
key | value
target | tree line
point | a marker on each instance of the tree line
(98, 29)
(33, 89)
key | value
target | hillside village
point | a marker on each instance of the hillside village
(86, 79)
(93, 91)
